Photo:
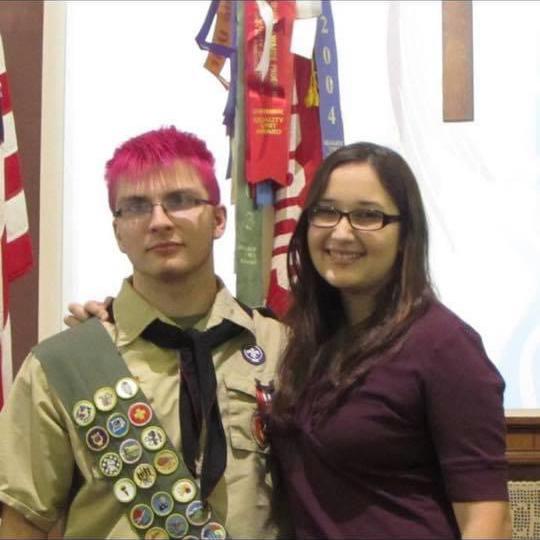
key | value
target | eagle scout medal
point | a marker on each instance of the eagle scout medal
(105, 398)
(130, 451)
(184, 490)
(83, 413)
(110, 464)
(117, 425)
(263, 394)
(153, 438)
(141, 516)
(166, 462)
(253, 354)
(139, 414)
(156, 533)
(126, 388)
(162, 503)
(145, 475)
(125, 490)
(213, 531)
(258, 430)
(197, 513)
(176, 526)
(97, 438)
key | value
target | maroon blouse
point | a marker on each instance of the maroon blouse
(424, 429)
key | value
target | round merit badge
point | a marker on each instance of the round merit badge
(156, 533)
(125, 490)
(153, 438)
(83, 413)
(140, 414)
(213, 531)
(110, 464)
(130, 451)
(253, 354)
(97, 438)
(145, 475)
(176, 525)
(141, 516)
(117, 425)
(126, 388)
(105, 398)
(162, 503)
(197, 513)
(166, 462)
(184, 490)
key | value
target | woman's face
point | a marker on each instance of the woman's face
(358, 263)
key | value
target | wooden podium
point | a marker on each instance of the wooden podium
(523, 444)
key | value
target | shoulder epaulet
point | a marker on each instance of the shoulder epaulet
(263, 310)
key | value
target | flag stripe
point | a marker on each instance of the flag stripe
(16, 218)
(12, 175)
(6, 94)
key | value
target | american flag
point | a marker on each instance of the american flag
(305, 155)
(15, 245)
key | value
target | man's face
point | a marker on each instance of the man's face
(162, 246)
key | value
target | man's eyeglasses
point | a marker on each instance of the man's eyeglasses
(174, 204)
(361, 220)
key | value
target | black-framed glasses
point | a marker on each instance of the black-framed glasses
(175, 204)
(361, 219)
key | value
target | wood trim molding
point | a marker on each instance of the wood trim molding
(52, 171)
(523, 446)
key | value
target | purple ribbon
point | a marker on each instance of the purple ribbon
(229, 111)
(201, 37)
(227, 52)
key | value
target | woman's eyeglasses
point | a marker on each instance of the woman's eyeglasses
(361, 220)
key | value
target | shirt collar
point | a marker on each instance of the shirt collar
(132, 313)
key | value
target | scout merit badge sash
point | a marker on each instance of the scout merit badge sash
(120, 429)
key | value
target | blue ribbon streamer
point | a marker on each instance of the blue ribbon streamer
(327, 77)
(264, 193)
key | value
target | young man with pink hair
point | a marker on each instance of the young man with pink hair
(151, 425)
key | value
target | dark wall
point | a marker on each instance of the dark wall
(21, 27)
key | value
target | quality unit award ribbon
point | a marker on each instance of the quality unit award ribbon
(268, 88)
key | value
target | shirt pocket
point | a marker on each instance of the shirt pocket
(241, 408)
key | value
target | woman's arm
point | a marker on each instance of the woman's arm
(483, 519)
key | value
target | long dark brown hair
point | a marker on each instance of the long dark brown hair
(322, 345)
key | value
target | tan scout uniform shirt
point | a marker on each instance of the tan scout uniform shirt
(45, 469)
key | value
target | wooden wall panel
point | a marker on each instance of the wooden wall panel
(458, 73)
(523, 447)
(21, 27)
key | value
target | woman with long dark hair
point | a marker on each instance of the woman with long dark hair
(388, 420)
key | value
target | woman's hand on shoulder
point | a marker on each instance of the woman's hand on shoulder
(79, 313)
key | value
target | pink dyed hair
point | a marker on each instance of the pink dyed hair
(160, 148)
